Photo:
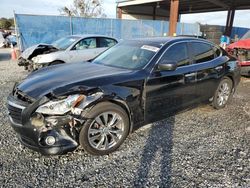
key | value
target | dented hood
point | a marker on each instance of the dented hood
(244, 44)
(38, 48)
(60, 79)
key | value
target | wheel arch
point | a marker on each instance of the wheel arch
(232, 79)
(125, 107)
(61, 61)
(117, 102)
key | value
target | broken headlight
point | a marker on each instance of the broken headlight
(61, 107)
(36, 59)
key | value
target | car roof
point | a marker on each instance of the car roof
(165, 40)
(91, 35)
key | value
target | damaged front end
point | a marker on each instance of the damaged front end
(50, 125)
(241, 50)
(243, 55)
(26, 57)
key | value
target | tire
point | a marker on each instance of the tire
(98, 138)
(223, 93)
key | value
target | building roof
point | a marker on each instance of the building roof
(190, 6)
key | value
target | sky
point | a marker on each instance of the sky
(241, 18)
(50, 7)
(46, 7)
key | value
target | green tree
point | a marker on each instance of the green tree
(6, 23)
(84, 8)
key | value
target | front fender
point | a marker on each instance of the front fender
(48, 58)
(130, 104)
(43, 59)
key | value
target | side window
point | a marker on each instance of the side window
(106, 42)
(87, 43)
(202, 52)
(177, 53)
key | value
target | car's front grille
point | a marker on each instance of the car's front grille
(16, 103)
(15, 112)
(21, 96)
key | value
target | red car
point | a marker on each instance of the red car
(241, 50)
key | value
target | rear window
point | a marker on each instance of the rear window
(106, 42)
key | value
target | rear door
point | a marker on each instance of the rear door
(208, 61)
(104, 43)
(168, 92)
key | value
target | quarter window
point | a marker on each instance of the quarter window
(202, 52)
(177, 53)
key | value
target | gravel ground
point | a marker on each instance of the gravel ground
(202, 147)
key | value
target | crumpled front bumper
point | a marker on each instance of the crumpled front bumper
(32, 139)
(34, 136)
(23, 62)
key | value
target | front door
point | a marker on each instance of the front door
(84, 50)
(168, 92)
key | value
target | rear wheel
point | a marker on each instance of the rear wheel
(223, 93)
(106, 129)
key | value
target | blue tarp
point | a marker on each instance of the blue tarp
(33, 29)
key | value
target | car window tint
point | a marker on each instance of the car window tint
(202, 52)
(128, 54)
(177, 53)
(106, 42)
(88, 43)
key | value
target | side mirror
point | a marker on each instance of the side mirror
(167, 65)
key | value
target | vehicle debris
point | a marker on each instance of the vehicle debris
(241, 50)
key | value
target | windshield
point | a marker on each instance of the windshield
(64, 43)
(246, 36)
(128, 55)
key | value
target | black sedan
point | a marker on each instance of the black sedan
(96, 105)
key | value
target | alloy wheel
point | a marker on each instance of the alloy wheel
(223, 94)
(106, 131)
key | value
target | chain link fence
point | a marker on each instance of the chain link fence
(33, 29)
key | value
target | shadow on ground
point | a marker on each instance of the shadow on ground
(161, 145)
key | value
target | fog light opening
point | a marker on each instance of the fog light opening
(50, 140)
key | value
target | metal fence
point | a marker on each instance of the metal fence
(33, 29)
(239, 31)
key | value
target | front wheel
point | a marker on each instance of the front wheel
(105, 130)
(223, 93)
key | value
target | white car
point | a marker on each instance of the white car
(2, 40)
(70, 49)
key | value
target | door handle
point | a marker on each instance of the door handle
(190, 74)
